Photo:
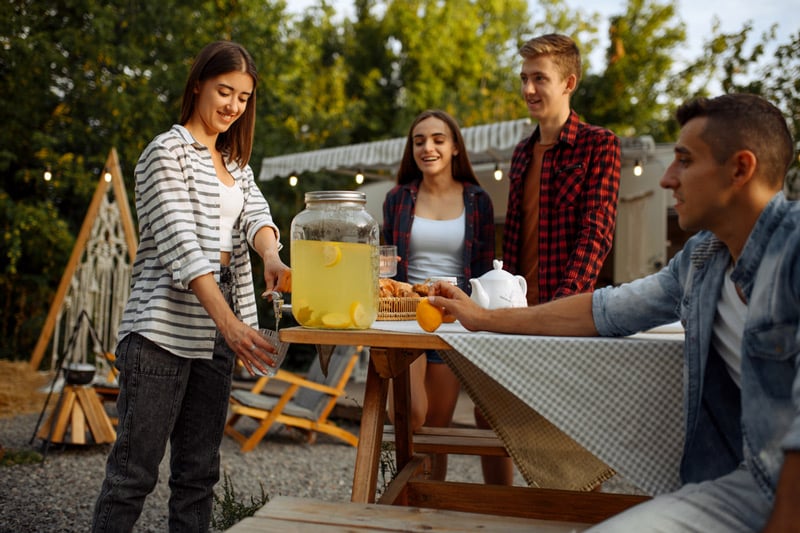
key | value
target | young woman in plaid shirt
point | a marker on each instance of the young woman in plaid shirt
(442, 223)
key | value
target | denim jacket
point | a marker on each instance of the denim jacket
(725, 425)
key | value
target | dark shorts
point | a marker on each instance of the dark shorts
(433, 356)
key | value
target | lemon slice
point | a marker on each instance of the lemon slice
(336, 320)
(331, 255)
(359, 315)
(315, 320)
(302, 313)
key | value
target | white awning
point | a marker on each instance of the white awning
(485, 143)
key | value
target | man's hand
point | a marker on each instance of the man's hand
(785, 515)
(456, 303)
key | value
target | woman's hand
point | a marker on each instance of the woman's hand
(250, 347)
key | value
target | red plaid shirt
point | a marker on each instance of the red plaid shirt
(577, 207)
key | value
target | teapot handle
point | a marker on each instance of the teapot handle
(523, 283)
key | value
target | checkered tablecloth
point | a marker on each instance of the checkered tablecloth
(552, 400)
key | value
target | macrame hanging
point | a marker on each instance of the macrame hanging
(97, 278)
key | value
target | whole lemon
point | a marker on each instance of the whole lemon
(429, 317)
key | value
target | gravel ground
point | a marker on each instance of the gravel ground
(58, 495)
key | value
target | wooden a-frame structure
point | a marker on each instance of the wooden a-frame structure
(103, 221)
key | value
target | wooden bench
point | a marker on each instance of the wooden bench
(302, 515)
(457, 441)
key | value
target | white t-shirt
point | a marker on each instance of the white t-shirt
(231, 202)
(436, 248)
(728, 328)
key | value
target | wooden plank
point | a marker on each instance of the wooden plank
(264, 524)
(527, 502)
(459, 441)
(365, 472)
(78, 425)
(395, 493)
(296, 514)
(99, 423)
(62, 416)
(365, 337)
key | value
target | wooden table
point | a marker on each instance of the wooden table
(391, 353)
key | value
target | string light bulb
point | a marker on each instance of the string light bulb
(498, 173)
(107, 177)
(48, 175)
(359, 177)
(292, 180)
(637, 168)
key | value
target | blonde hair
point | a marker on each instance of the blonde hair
(560, 48)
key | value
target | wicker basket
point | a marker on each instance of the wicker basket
(398, 308)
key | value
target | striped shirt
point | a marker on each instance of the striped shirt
(178, 207)
(577, 207)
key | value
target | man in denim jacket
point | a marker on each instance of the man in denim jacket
(736, 288)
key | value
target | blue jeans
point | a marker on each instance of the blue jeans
(730, 504)
(166, 398)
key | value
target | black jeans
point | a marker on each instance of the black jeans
(166, 398)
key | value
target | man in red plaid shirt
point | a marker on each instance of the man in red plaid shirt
(563, 188)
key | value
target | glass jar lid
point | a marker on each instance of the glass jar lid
(336, 196)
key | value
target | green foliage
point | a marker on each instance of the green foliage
(632, 96)
(35, 244)
(79, 77)
(387, 466)
(228, 510)
(11, 457)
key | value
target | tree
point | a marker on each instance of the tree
(88, 76)
(635, 92)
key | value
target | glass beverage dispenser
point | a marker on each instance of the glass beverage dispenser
(334, 256)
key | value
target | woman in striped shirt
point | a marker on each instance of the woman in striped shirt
(192, 308)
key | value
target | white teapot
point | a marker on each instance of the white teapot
(498, 288)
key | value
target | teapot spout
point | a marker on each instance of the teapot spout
(479, 295)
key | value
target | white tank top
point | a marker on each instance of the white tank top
(436, 248)
(231, 202)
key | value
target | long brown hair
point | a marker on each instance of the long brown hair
(462, 168)
(214, 59)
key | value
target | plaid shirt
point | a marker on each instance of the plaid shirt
(398, 215)
(577, 207)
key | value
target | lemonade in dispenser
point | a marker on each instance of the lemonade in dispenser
(334, 257)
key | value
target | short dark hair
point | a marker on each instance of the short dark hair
(462, 168)
(744, 122)
(560, 48)
(214, 59)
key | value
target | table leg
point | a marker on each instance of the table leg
(365, 475)
(401, 390)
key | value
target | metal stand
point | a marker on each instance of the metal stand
(59, 420)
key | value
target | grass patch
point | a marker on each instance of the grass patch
(228, 510)
(10, 457)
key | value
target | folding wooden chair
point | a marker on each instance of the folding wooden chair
(305, 404)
